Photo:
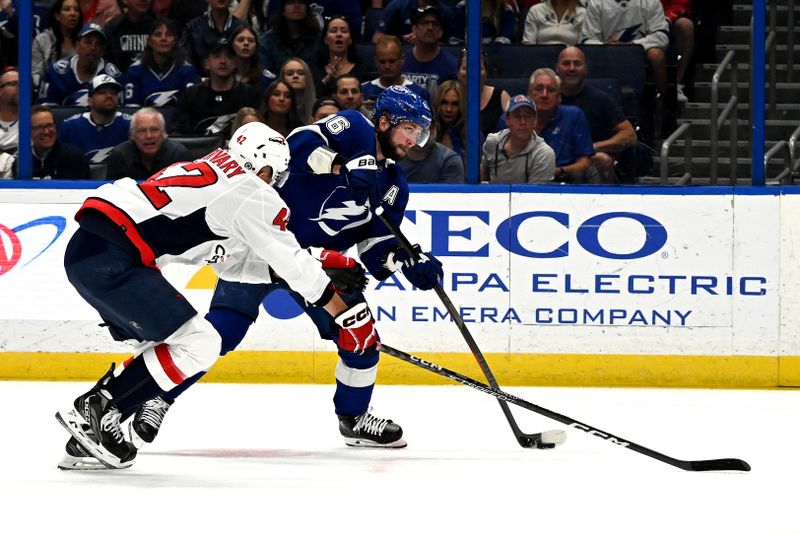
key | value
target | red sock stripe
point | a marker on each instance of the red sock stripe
(165, 359)
(127, 361)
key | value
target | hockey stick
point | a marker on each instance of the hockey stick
(526, 440)
(696, 466)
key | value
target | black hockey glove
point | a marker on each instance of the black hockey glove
(346, 273)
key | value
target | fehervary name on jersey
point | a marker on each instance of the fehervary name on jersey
(225, 162)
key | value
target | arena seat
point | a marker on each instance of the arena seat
(520, 60)
(513, 86)
(98, 171)
(372, 16)
(63, 112)
(199, 146)
(627, 63)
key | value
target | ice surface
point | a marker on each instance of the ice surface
(234, 458)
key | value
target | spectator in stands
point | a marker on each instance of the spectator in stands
(639, 22)
(66, 81)
(278, 108)
(127, 33)
(9, 110)
(183, 11)
(294, 33)
(426, 64)
(244, 116)
(611, 131)
(101, 128)
(493, 100)
(147, 151)
(248, 64)
(336, 56)
(498, 22)
(347, 94)
(432, 163)
(554, 22)
(297, 74)
(321, 9)
(203, 32)
(58, 41)
(99, 12)
(450, 121)
(517, 154)
(162, 73)
(398, 19)
(53, 159)
(255, 13)
(322, 108)
(208, 108)
(389, 61)
(681, 25)
(563, 127)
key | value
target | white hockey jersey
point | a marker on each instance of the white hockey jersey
(211, 211)
(638, 21)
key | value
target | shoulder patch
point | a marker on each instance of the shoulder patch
(61, 66)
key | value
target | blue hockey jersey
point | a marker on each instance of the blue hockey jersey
(323, 210)
(61, 85)
(145, 87)
(94, 140)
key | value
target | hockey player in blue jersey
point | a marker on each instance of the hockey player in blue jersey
(340, 170)
(66, 81)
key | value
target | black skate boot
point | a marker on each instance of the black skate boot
(94, 422)
(77, 458)
(368, 431)
(147, 421)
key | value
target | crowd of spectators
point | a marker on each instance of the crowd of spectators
(139, 71)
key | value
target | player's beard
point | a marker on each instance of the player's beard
(388, 151)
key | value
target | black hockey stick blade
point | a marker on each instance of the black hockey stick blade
(526, 440)
(692, 466)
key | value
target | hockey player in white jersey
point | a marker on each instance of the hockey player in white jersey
(218, 210)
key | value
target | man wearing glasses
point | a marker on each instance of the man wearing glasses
(53, 159)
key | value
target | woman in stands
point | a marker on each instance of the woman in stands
(493, 99)
(297, 74)
(337, 55)
(294, 33)
(554, 22)
(278, 108)
(498, 22)
(244, 116)
(58, 40)
(448, 103)
(248, 64)
(162, 72)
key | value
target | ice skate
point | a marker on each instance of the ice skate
(147, 421)
(94, 422)
(369, 431)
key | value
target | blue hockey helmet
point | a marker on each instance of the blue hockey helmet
(401, 105)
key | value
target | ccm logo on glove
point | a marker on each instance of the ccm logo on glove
(357, 332)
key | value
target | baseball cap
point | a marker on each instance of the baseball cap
(323, 102)
(426, 10)
(90, 28)
(101, 80)
(220, 45)
(518, 101)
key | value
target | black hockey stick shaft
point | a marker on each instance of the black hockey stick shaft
(702, 465)
(526, 440)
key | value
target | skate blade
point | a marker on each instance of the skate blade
(366, 443)
(69, 462)
(74, 422)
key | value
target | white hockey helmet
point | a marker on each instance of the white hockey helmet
(255, 146)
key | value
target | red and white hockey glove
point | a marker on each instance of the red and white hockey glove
(346, 273)
(357, 331)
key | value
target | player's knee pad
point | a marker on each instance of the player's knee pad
(356, 377)
(193, 348)
(231, 325)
